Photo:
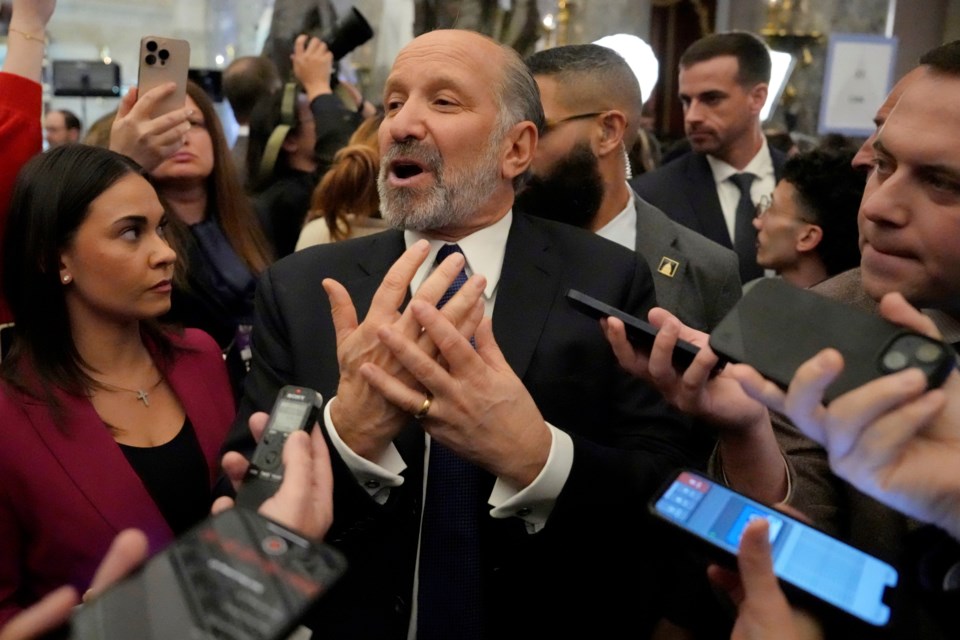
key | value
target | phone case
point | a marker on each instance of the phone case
(235, 575)
(164, 60)
(776, 327)
(640, 333)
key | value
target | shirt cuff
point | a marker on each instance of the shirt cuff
(376, 477)
(534, 503)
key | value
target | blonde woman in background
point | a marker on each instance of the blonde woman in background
(345, 204)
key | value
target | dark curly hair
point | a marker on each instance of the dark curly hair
(829, 191)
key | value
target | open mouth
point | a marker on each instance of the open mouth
(405, 169)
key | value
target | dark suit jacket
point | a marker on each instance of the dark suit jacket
(684, 189)
(696, 279)
(67, 488)
(588, 569)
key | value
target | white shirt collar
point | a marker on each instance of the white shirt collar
(622, 228)
(483, 250)
(760, 165)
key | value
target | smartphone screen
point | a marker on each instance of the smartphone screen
(236, 575)
(807, 558)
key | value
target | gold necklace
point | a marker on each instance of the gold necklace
(143, 395)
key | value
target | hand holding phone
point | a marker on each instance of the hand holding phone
(640, 333)
(296, 408)
(236, 575)
(776, 327)
(714, 517)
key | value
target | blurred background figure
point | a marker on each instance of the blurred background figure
(346, 204)
(283, 171)
(98, 135)
(62, 127)
(246, 80)
(807, 231)
(221, 244)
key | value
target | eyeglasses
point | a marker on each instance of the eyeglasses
(551, 124)
(763, 206)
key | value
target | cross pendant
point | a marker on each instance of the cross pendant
(142, 397)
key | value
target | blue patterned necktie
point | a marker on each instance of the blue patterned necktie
(745, 235)
(448, 598)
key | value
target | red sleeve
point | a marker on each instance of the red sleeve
(20, 139)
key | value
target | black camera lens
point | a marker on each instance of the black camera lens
(164, 54)
(151, 45)
(150, 59)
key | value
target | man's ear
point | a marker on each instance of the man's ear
(758, 97)
(613, 127)
(809, 239)
(521, 145)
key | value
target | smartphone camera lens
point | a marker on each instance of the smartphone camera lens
(151, 46)
(894, 361)
(150, 59)
(163, 54)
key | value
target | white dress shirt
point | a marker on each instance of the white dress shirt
(761, 166)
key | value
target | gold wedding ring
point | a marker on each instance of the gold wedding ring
(424, 408)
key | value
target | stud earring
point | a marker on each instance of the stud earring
(66, 279)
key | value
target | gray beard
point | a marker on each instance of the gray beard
(450, 201)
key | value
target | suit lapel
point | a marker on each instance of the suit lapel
(656, 242)
(86, 451)
(372, 266)
(705, 201)
(525, 293)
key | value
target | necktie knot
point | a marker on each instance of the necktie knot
(459, 281)
(743, 181)
(447, 250)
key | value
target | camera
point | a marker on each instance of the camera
(348, 34)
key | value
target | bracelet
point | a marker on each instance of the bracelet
(28, 36)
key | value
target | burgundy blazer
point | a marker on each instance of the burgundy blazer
(66, 489)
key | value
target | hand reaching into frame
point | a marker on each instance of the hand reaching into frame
(890, 438)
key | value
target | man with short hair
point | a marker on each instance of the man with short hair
(592, 103)
(536, 420)
(909, 222)
(62, 127)
(246, 80)
(715, 188)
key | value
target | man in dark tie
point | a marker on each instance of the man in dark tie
(909, 223)
(715, 188)
(537, 450)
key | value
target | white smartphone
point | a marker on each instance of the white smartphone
(164, 60)
(804, 557)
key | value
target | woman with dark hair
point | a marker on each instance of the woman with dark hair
(110, 421)
(224, 250)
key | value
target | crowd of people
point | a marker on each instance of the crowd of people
(486, 453)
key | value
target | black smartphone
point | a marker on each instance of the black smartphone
(804, 557)
(236, 575)
(640, 333)
(295, 408)
(776, 327)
